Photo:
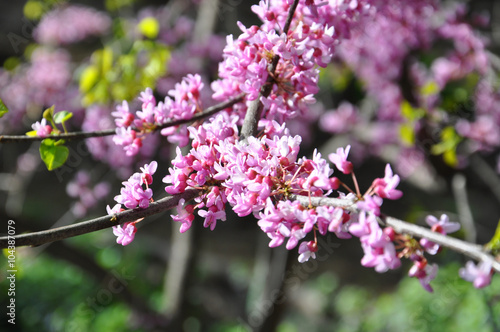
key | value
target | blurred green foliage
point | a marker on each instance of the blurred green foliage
(455, 305)
(322, 303)
(121, 72)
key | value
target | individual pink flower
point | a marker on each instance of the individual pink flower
(147, 171)
(184, 215)
(126, 234)
(211, 216)
(307, 250)
(124, 117)
(296, 234)
(340, 160)
(424, 272)
(114, 210)
(371, 204)
(386, 187)
(479, 275)
(442, 226)
(147, 98)
(382, 256)
(132, 193)
(42, 128)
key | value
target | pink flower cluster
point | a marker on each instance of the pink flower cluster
(392, 73)
(255, 176)
(377, 244)
(134, 193)
(183, 103)
(309, 43)
(259, 174)
(71, 24)
(250, 176)
(201, 168)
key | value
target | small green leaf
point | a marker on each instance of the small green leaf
(450, 158)
(89, 78)
(48, 114)
(429, 89)
(31, 133)
(411, 113)
(63, 116)
(407, 134)
(53, 153)
(149, 27)
(3, 108)
(407, 110)
(448, 146)
(33, 10)
(494, 244)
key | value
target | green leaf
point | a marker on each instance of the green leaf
(411, 113)
(89, 78)
(63, 116)
(407, 134)
(106, 59)
(429, 89)
(48, 114)
(149, 27)
(448, 146)
(3, 108)
(33, 10)
(53, 153)
(450, 157)
(494, 244)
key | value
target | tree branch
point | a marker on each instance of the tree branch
(254, 111)
(474, 251)
(83, 135)
(56, 234)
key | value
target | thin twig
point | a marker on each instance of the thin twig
(469, 249)
(458, 185)
(56, 234)
(83, 135)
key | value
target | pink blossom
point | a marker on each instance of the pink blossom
(147, 171)
(442, 226)
(184, 215)
(126, 234)
(211, 216)
(42, 128)
(128, 139)
(340, 120)
(424, 272)
(117, 208)
(296, 234)
(147, 98)
(307, 250)
(479, 275)
(124, 117)
(386, 187)
(132, 194)
(371, 204)
(379, 251)
(340, 160)
(382, 258)
(69, 24)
